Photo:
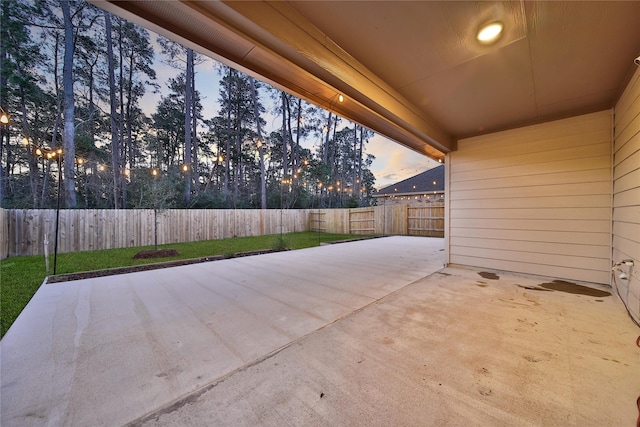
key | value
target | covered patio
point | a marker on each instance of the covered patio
(540, 136)
(372, 332)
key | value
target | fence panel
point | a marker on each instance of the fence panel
(426, 220)
(317, 221)
(362, 221)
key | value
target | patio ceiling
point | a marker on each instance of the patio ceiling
(413, 71)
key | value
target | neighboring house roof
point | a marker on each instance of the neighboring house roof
(425, 182)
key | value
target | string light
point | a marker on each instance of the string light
(4, 117)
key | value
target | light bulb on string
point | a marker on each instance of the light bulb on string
(4, 117)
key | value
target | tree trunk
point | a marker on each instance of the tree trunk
(34, 176)
(325, 151)
(10, 165)
(68, 135)
(92, 131)
(237, 171)
(56, 124)
(92, 105)
(3, 85)
(115, 149)
(296, 147)
(263, 175)
(355, 159)
(2, 168)
(4, 171)
(228, 137)
(129, 118)
(194, 127)
(359, 179)
(285, 159)
(290, 135)
(121, 119)
(188, 94)
(333, 152)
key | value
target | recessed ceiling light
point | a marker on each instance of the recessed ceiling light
(490, 32)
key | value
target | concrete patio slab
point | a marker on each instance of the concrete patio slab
(462, 347)
(108, 351)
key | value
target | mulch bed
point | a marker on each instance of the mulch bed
(160, 253)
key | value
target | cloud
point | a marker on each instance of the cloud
(395, 162)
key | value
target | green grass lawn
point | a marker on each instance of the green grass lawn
(20, 277)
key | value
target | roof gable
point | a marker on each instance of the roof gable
(427, 181)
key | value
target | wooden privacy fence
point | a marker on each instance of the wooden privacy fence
(426, 220)
(397, 219)
(23, 231)
(92, 229)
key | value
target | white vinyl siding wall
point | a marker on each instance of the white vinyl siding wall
(535, 200)
(626, 191)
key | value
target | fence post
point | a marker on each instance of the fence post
(4, 234)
